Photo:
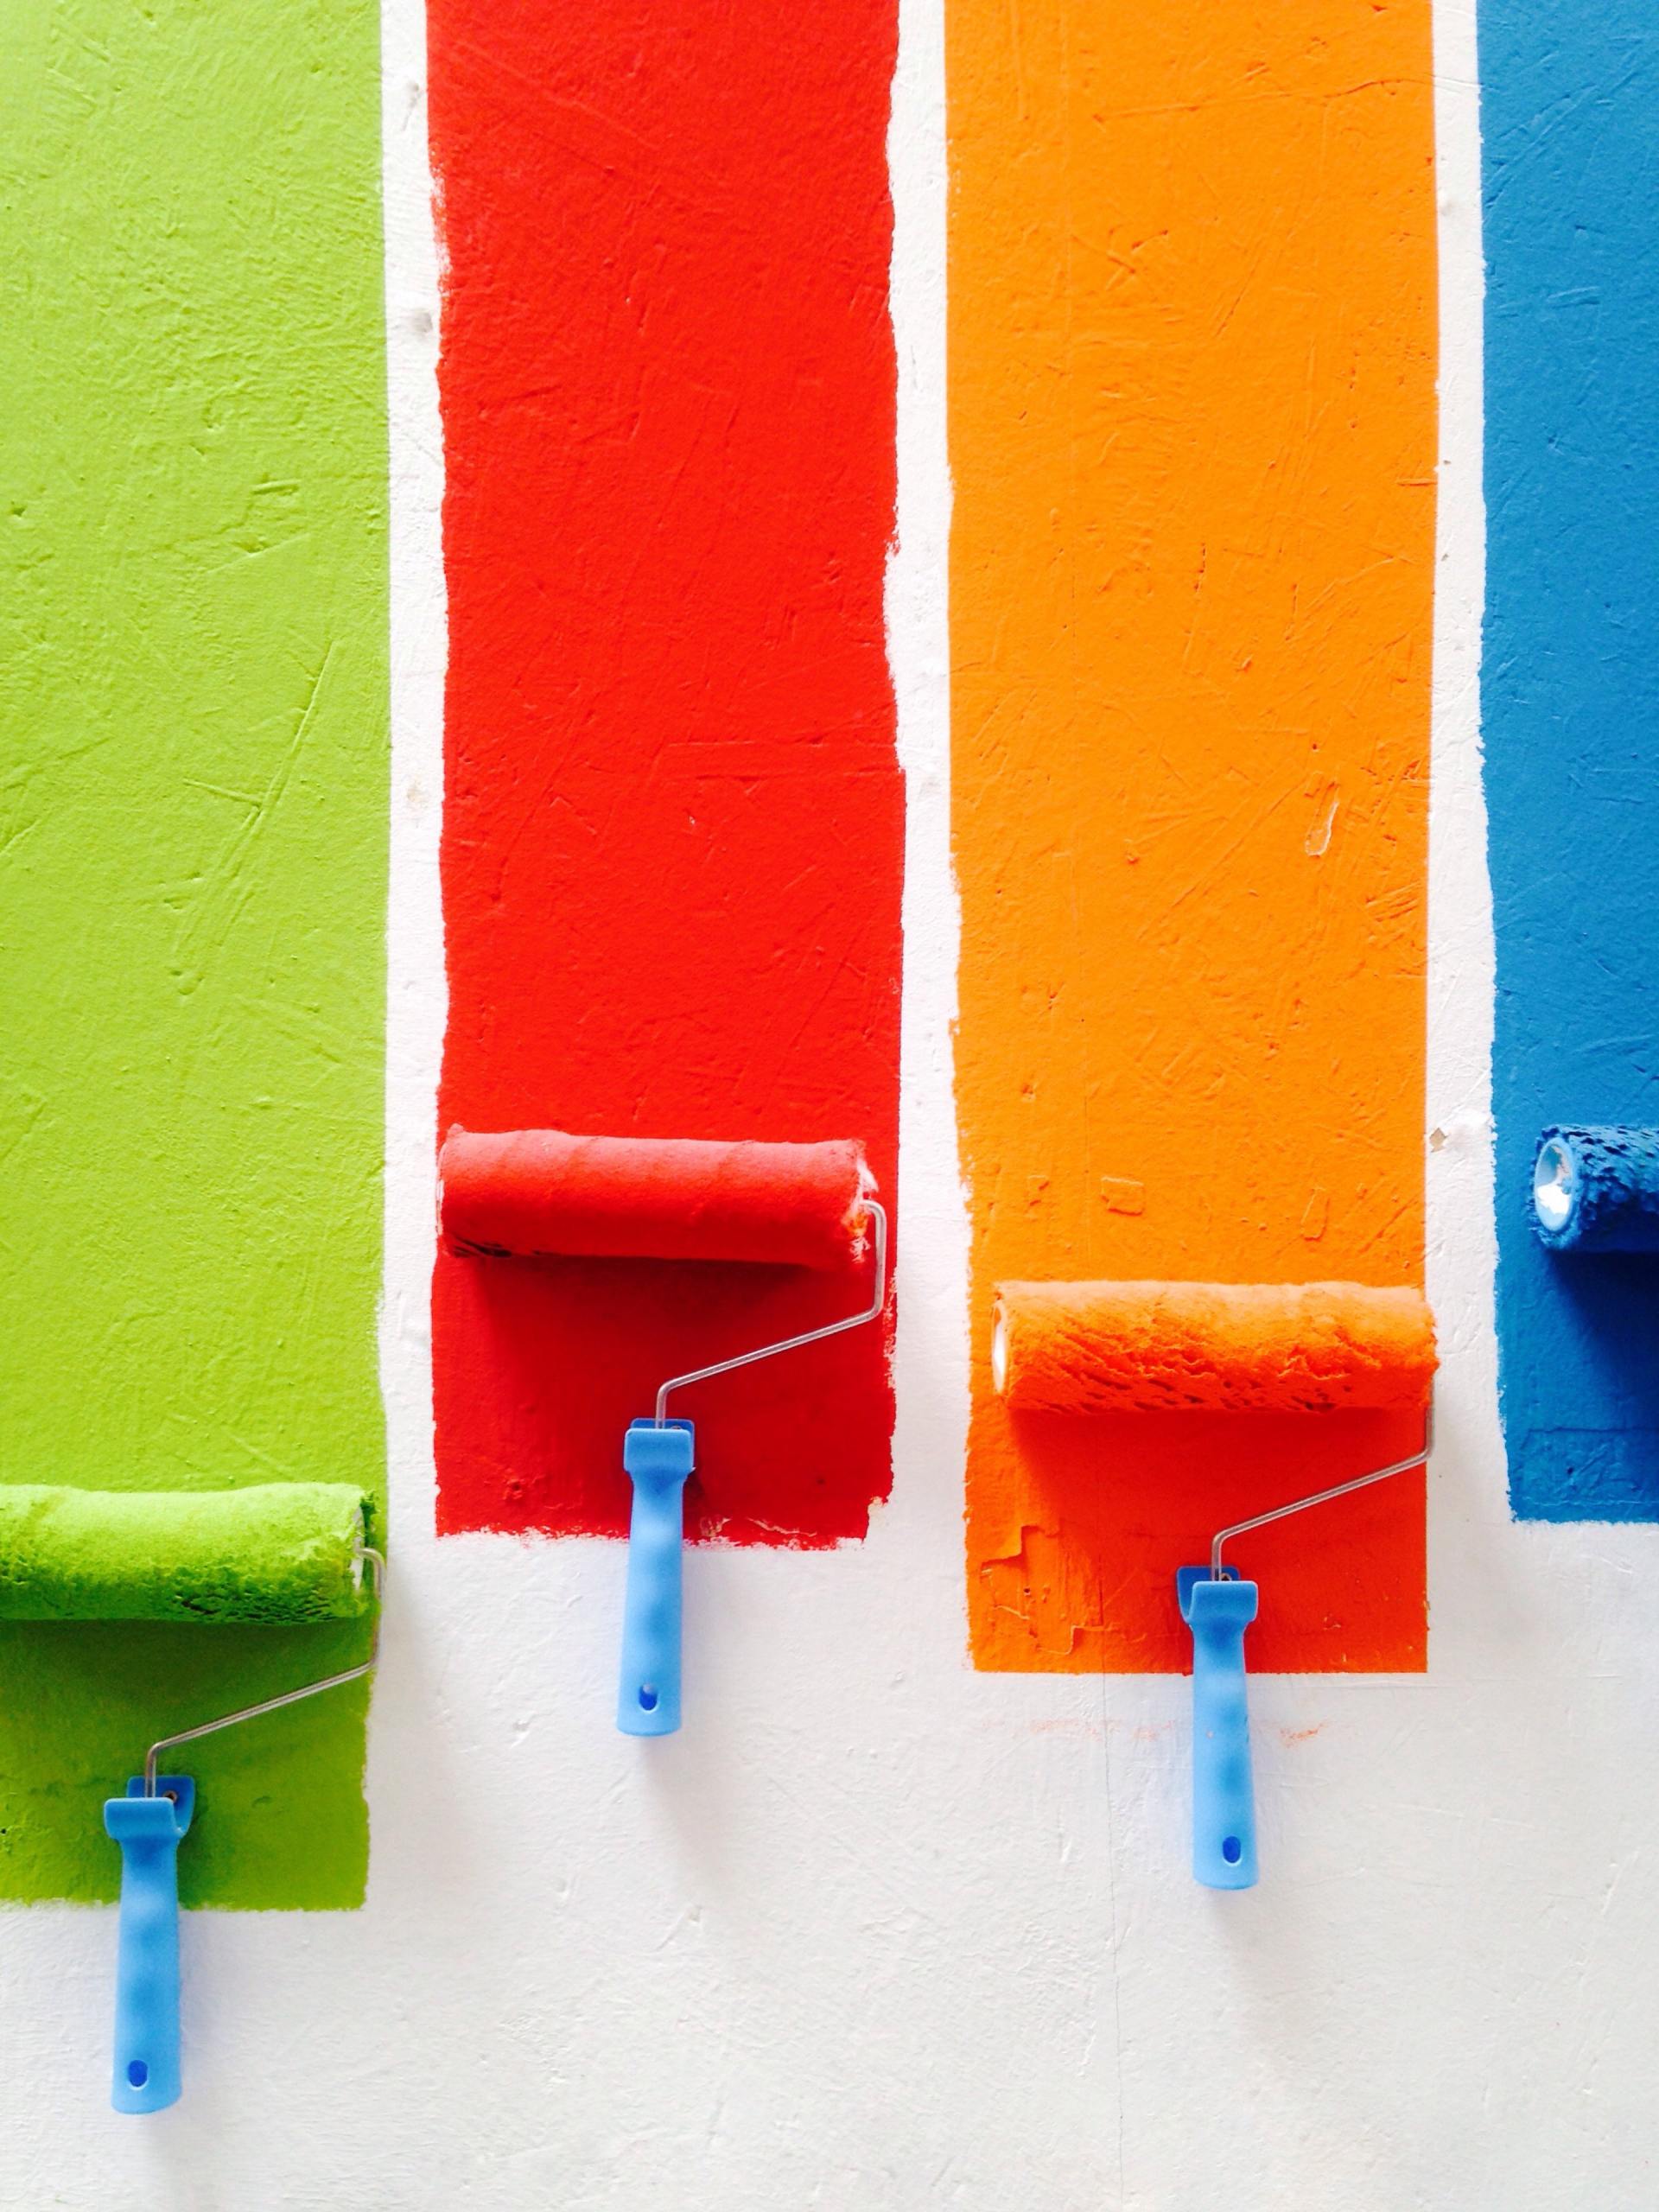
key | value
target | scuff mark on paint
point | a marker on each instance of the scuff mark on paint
(673, 834)
(1191, 542)
(1016, 1550)
(1466, 1132)
(1317, 842)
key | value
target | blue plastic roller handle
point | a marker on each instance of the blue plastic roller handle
(657, 1460)
(1224, 1798)
(148, 1829)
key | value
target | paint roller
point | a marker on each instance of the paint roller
(1188, 1347)
(545, 1193)
(1595, 1188)
(273, 1553)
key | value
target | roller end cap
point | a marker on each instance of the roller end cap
(1555, 1189)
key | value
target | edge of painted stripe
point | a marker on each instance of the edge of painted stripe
(1461, 1243)
(416, 994)
(930, 1355)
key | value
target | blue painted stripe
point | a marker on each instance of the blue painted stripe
(1570, 696)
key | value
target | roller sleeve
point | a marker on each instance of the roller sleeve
(540, 1193)
(1129, 1347)
(1596, 1189)
(271, 1553)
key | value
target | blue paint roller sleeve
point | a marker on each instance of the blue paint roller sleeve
(1596, 1189)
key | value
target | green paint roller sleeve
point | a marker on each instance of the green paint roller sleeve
(273, 1552)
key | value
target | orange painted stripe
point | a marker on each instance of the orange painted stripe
(1193, 419)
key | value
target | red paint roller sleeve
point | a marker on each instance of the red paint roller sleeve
(540, 1191)
(1174, 1347)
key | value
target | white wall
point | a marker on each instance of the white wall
(877, 1933)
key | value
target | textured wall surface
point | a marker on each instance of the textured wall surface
(193, 836)
(673, 816)
(1570, 699)
(1192, 438)
(880, 1931)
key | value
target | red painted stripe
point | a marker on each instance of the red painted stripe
(673, 815)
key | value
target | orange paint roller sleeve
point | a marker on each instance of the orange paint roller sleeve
(1202, 1347)
(540, 1191)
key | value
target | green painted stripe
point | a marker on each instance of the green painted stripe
(193, 827)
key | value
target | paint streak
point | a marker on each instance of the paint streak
(192, 830)
(673, 826)
(1570, 712)
(1192, 427)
